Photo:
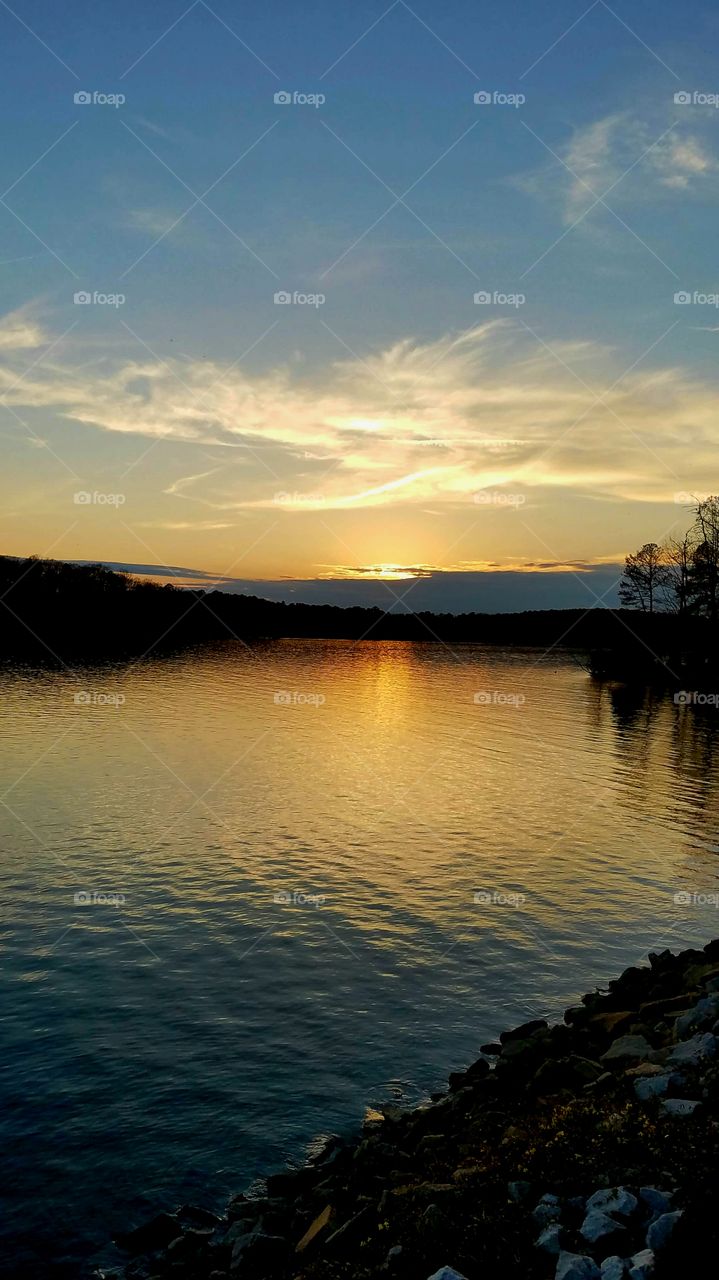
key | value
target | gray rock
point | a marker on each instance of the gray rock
(576, 1266)
(641, 1266)
(613, 1268)
(657, 1201)
(652, 1087)
(551, 1239)
(701, 1048)
(680, 1106)
(518, 1191)
(598, 1226)
(446, 1273)
(548, 1210)
(626, 1049)
(614, 1200)
(699, 1018)
(660, 1230)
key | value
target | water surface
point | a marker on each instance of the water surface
(312, 876)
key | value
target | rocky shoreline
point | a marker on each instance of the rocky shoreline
(586, 1150)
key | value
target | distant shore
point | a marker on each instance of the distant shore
(586, 1150)
(64, 614)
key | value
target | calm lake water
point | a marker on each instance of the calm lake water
(313, 876)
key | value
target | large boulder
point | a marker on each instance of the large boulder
(598, 1228)
(627, 1049)
(576, 1266)
(615, 1200)
(660, 1231)
(692, 1053)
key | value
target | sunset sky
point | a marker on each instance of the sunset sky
(382, 424)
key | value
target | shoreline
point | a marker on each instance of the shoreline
(585, 1150)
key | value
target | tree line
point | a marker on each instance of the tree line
(680, 576)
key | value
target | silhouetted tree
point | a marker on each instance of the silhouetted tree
(645, 579)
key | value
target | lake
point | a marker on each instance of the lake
(249, 892)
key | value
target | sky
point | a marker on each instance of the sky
(347, 301)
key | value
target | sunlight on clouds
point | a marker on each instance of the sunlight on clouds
(413, 424)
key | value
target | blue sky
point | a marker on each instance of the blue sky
(579, 398)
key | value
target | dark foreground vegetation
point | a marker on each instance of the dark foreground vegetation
(53, 611)
(586, 1150)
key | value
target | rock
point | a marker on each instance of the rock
(699, 1018)
(447, 1273)
(627, 1048)
(550, 1239)
(566, 1073)
(158, 1233)
(318, 1225)
(680, 1106)
(655, 1200)
(194, 1216)
(660, 1230)
(613, 1268)
(393, 1255)
(614, 1200)
(644, 1069)
(701, 1048)
(258, 1252)
(548, 1210)
(598, 1227)
(187, 1246)
(492, 1049)
(652, 1087)
(611, 1023)
(524, 1031)
(575, 1266)
(641, 1266)
(518, 1191)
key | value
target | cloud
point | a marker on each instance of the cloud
(625, 156)
(20, 332)
(415, 424)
